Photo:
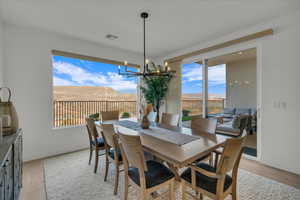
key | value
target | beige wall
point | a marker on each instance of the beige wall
(241, 95)
(1, 53)
(173, 97)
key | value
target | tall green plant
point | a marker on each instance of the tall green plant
(155, 91)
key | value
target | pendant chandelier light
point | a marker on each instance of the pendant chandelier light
(149, 69)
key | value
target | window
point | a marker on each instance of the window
(83, 87)
(216, 88)
(192, 99)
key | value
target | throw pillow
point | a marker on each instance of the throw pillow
(236, 121)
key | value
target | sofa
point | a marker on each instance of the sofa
(233, 121)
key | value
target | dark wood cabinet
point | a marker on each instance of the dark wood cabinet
(11, 167)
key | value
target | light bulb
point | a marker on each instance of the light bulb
(166, 63)
(125, 62)
(147, 61)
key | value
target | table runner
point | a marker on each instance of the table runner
(160, 133)
(169, 136)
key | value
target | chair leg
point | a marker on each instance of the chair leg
(91, 154)
(216, 160)
(96, 160)
(106, 167)
(116, 179)
(126, 186)
(234, 192)
(183, 188)
(143, 195)
(172, 190)
(211, 160)
(201, 196)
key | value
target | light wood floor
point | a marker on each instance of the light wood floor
(34, 182)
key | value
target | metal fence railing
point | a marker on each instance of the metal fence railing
(195, 106)
(73, 113)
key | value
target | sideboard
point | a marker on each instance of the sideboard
(11, 150)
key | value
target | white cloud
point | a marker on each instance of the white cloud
(61, 82)
(79, 75)
(193, 74)
(216, 75)
(83, 77)
(118, 82)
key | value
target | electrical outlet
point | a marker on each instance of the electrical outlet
(283, 104)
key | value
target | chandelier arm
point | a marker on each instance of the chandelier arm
(157, 71)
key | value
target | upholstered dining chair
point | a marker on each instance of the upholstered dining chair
(205, 125)
(96, 142)
(109, 115)
(170, 119)
(215, 182)
(149, 175)
(112, 152)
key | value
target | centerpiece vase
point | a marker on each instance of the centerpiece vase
(145, 122)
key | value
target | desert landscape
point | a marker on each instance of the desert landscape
(72, 104)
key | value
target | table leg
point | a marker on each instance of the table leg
(175, 171)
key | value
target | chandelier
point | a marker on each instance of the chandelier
(149, 69)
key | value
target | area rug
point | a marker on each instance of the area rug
(69, 177)
(250, 151)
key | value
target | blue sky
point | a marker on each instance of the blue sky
(192, 79)
(75, 72)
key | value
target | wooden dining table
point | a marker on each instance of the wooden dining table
(175, 155)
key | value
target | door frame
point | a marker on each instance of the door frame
(236, 48)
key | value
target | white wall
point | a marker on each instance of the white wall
(1, 53)
(280, 134)
(241, 95)
(29, 73)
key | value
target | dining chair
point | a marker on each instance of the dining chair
(109, 115)
(205, 125)
(215, 182)
(112, 152)
(170, 119)
(96, 142)
(150, 175)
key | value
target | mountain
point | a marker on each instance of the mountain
(89, 93)
(100, 93)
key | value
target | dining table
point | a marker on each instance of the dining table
(177, 146)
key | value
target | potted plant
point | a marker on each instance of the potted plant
(155, 90)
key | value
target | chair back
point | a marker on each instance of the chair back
(170, 119)
(207, 125)
(109, 115)
(231, 155)
(109, 135)
(132, 148)
(92, 130)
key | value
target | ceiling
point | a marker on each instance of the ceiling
(233, 57)
(173, 24)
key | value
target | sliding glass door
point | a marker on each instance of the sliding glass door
(216, 88)
(192, 98)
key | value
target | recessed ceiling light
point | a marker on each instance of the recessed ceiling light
(111, 37)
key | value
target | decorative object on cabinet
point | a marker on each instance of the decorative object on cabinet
(8, 115)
